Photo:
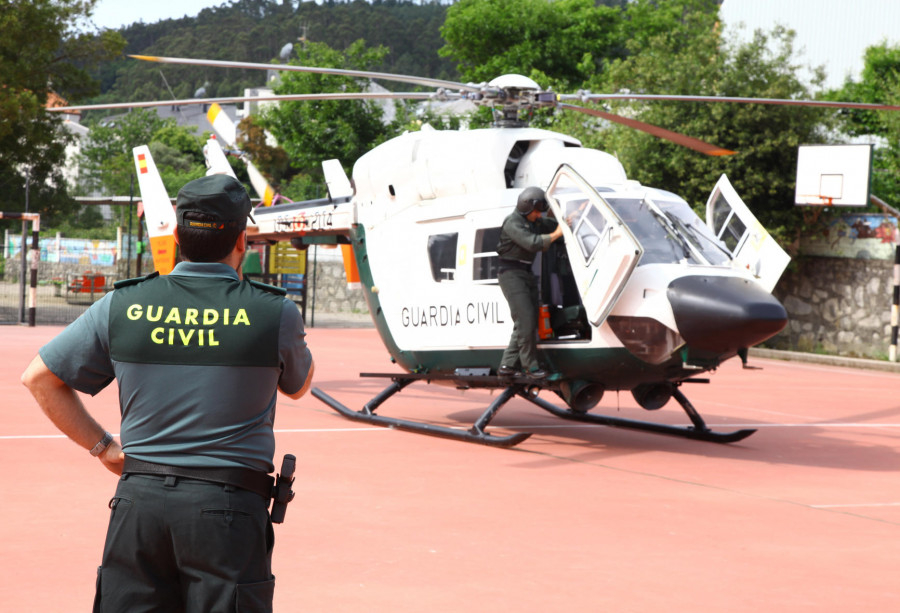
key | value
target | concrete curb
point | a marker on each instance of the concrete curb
(829, 360)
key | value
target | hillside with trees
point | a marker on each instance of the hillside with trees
(257, 31)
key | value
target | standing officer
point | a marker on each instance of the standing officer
(198, 355)
(525, 232)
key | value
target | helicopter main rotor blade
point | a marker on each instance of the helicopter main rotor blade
(675, 137)
(427, 82)
(272, 98)
(866, 106)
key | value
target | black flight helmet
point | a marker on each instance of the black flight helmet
(530, 199)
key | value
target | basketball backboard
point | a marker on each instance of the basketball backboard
(833, 175)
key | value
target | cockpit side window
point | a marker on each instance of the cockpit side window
(728, 227)
(442, 256)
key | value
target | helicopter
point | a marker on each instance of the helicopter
(641, 295)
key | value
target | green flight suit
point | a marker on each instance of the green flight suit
(520, 240)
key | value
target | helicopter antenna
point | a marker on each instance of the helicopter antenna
(303, 32)
(175, 107)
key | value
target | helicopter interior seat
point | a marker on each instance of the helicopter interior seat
(568, 318)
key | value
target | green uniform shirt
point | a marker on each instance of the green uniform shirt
(521, 239)
(198, 356)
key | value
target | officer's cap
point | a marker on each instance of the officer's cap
(219, 196)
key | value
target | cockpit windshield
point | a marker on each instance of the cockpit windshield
(698, 233)
(661, 241)
(668, 232)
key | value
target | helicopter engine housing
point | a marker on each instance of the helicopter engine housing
(653, 396)
(582, 396)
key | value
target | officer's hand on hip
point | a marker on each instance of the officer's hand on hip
(113, 458)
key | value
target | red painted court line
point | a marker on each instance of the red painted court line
(802, 516)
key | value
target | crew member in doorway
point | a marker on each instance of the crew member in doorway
(199, 356)
(525, 232)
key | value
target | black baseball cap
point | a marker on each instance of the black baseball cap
(219, 196)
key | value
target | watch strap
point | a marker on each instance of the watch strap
(102, 445)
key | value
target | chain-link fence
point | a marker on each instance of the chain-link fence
(71, 275)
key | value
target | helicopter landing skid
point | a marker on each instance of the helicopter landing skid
(475, 434)
(527, 389)
(699, 432)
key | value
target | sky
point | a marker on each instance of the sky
(831, 33)
(118, 13)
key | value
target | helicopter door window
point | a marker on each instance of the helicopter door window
(442, 256)
(588, 230)
(728, 226)
(485, 259)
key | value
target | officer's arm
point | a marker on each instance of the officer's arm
(525, 237)
(64, 408)
(306, 384)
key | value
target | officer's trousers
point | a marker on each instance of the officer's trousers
(520, 290)
(186, 546)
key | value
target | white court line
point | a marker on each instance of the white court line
(809, 425)
(854, 506)
(58, 436)
(295, 430)
(31, 436)
(499, 426)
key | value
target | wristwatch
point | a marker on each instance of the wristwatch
(102, 445)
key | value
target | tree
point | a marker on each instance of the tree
(879, 83)
(272, 161)
(687, 56)
(566, 41)
(43, 53)
(107, 161)
(312, 131)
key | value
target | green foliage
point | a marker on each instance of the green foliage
(568, 40)
(106, 155)
(303, 187)
(879, 83)
(107, 159)
(312, 131)
(88, 223)
(175, 167)
(271, 161)
(42, 54)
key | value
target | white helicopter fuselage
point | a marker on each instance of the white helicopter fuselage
(424, 221)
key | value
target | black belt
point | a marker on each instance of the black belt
(248, 479)
(504, 265)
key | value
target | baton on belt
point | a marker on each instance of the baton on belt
(282, 493)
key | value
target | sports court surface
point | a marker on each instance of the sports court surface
(802, 516)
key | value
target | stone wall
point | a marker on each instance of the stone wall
(837, 306)
(328, 292)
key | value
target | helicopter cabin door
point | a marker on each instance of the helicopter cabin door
(602, 250)
(751, 247)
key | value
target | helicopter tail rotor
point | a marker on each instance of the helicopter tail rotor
(224, 127)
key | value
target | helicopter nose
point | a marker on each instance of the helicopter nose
(724, 314)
